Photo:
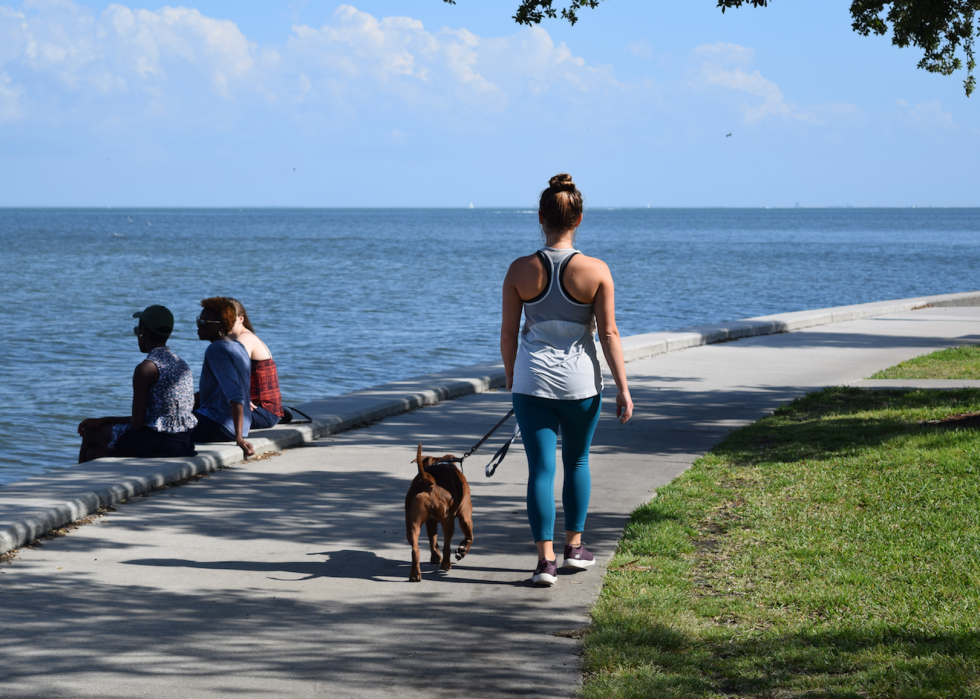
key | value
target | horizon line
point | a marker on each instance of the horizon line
(529, 209)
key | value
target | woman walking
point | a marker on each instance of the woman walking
(553, 372)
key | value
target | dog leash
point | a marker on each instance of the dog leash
(502, 452)
(496, 427)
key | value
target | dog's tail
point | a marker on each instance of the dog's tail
(418, 460)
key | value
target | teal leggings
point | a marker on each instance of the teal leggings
(540, 420)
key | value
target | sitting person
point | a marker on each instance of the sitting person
(224, 414)
(163, 398)
(267, 408)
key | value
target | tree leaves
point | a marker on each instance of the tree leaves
(939, 27)
(534, 11)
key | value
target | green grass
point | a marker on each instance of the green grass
(829, 550)
(952, 363)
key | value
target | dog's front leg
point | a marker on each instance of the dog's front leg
(432, 529)
(448, 529)
(413, 538)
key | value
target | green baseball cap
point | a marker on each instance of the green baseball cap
(157, 319)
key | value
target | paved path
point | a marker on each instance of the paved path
(286, 577)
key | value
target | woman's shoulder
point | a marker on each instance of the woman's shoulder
(527, 276)
(176, 361)
(534, 258)
(256, 348)
(527, 264)
(233, 348)
(583, 263)
(163, 357)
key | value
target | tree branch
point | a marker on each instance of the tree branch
(939, 27)
(534, 11)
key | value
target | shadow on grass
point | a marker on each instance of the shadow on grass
(840, 662)
(839, 421)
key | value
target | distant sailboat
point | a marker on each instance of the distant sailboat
(471, 205)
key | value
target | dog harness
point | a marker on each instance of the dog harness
(444, 468)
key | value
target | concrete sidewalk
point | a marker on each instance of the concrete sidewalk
(287, 576)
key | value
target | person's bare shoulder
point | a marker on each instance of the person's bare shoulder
(524, 270)
(146, 371)
(253, 344)
(527, 263)
(526, 276)
(591, 267)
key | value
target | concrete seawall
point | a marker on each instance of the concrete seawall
(30, 508)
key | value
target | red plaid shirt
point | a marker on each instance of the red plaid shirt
(265, 386)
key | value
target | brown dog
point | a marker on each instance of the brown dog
(438, 495)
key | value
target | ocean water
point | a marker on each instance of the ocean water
(352, 298)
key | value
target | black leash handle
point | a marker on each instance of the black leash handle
(501, 453)
(495, 428)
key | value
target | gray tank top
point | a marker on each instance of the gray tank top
(557, 356)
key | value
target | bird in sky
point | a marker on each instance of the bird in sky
(728, 135)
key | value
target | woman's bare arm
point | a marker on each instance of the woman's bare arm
(145, 376)
(510, 321)
(238, 417)
(612, 348)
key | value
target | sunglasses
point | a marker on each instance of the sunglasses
(201, 322)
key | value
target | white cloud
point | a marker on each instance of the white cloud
(640, 49)
(13, 34)
(143, 40)
(721, 66)
(752, 83)
(10, 104)
(929, 115)
(355, 57)
(722, 52)
(122, 48)
(397, 56)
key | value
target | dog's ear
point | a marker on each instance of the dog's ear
(429, 460)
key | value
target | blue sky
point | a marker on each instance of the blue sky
(383, 103)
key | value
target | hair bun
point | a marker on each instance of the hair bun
(562, 183)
